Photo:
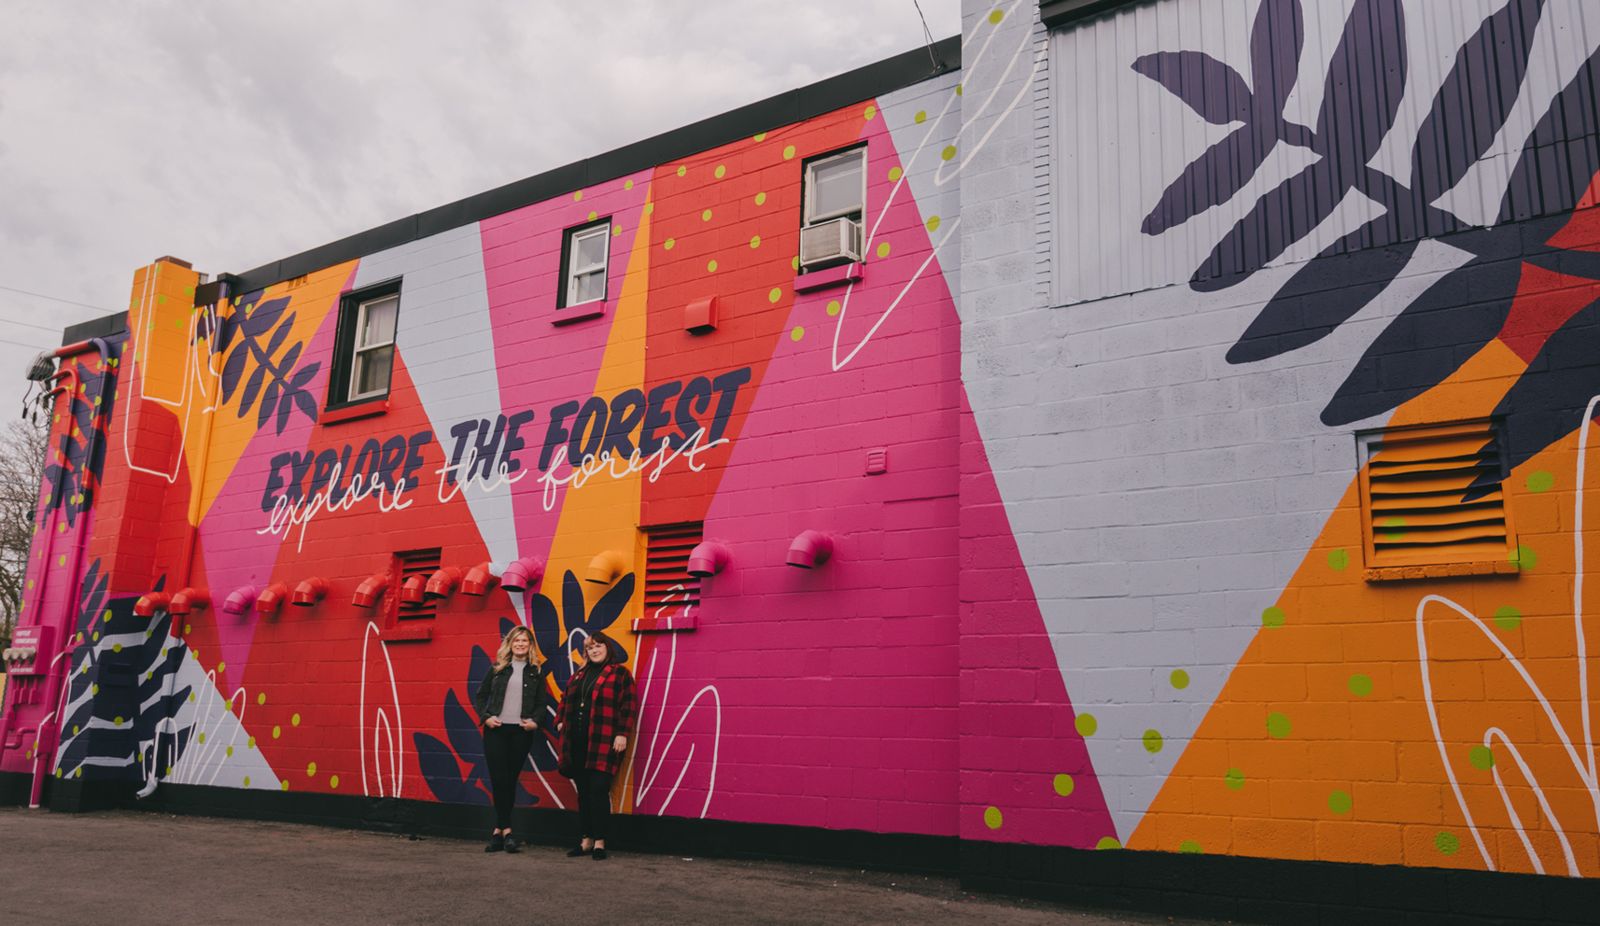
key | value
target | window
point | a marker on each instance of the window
(584, 254)
(1431, 496)
(836, 187)
(364, 346)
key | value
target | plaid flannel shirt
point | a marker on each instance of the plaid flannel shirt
(610, 715)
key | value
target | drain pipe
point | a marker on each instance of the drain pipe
(45, 740)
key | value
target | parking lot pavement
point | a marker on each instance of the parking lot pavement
(134, 868)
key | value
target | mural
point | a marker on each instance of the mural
(1098, 573)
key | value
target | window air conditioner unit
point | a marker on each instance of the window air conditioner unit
(830, 242)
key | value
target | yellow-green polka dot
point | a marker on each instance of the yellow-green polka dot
(705, 215)
(920, 117)
(116, 647)
(228, 752)
(774, 294)
(1481, 758)
(333, 781)
(1085, 724)
(1152, 741)
(795, 262)
(261, 698)
(1064, 785)
(1524, 557)
(761, 199)
(993, 818)
(250, 743)
(720, 172)
(1507, 618)
(755, 241)
(895, 173)
(1541, 481)
(682, 170)
(760, 136)
(788, 152)
(277, 731)
(933, 223)
(1189, 847)
(711, 266)
(294, 720)
(1278, 725)
(870, 112)
(1339, 802)
(797, 332)
(201, 737)
(116, 721)
(1233, 779)
(311, 769)
(1273, 617)
(833, 307)
(593, 215)
(222, 667)
(949, 150)
(1338, 559)
(577, 196)
(627, 184)
(247, 781)
(670, 243)
(1447, 843)
(284, 784)
(1108, 842)
(996, 15)
(1360, 685)
(1179, 679)
(883, 250)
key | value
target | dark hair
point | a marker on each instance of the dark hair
(615, 654)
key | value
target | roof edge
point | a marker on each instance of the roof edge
(880, 77)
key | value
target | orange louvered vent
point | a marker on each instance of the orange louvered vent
(668, 586)
(1432, 495)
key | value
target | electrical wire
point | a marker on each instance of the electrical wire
(927, 33)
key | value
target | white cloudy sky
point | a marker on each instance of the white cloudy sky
(233, 132)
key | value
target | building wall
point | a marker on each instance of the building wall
(1171, 426)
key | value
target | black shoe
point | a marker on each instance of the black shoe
(579, 852)
(497, 843)
(599, 855)
(513, 844)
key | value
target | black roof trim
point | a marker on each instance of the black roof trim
(1061, 12)
(786, 108)
(103, 327)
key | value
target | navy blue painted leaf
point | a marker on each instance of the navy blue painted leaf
(443, 774)
(225, 331)
(1209, 87)
(1472, 103)
(611, 604)
(465, 737)
(1211, 179)
(573, 610)
(1547, 402)
(477, 668)
(293, 356)
(302, 377)
(1276, 37)
(1428, 341)
(252, 387)
(1554, 172)
(546, 626)
(233, 369)
(1366, 78)
(1283, 215)
(269, 403)
(284, 408)
(261, 319)
(1325, 292)
(307, 404)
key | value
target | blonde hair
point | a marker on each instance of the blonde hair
(503, 658)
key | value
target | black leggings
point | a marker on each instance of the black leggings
(505, 748)
(594, 802)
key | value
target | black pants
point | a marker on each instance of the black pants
(505, 748)
(594, 802)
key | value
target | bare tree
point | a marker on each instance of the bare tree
(22, 461)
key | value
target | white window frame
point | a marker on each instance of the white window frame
(601, 230)
(811, 218)
(357, 349)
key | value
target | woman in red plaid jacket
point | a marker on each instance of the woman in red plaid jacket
(594, 719)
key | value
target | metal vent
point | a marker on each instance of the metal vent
(1433, 495)
(668, 586)
(833, 241)
(417, 563)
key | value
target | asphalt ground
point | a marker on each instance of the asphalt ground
(133, 868)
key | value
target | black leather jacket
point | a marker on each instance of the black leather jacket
(491, 694)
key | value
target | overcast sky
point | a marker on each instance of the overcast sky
(233, 133)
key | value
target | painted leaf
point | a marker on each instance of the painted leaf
(1428, 341)
(269, 403)
(233, 369)
(307, 403)
(1553, 173)
(1211, 179)
(477, 668)
(465, 737)
(252, 387)
(1325, 292)
(1546, 403)
(279, 335)
(611, 604)
(1472, 103)
(302, 377)
(1282, 216)
(260, 319)
(1366, 78)
(573, 610)
(546, 626)
(1206, 85)
(1276, 38)
(442, 773)
(284, 408)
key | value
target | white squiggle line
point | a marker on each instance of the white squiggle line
(1585, 769)
(396, 741)
(652, 767)
(191, 379)
(940, 178)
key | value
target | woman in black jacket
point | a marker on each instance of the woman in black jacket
(511, 705)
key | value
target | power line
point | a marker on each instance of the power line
(13, 289)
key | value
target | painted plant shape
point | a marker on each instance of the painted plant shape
(117, 707)
(442, 764)
(73, 470)
(1466, 308)
(251, 338)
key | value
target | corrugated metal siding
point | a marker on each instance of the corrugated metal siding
(1121, 137)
